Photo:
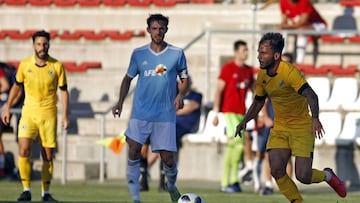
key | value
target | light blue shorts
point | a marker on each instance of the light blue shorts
(162, 135)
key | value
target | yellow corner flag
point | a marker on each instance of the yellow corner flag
(115, 144)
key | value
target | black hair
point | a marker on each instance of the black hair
(41, 33)
(275, 39)
(239, 43)
(157, 17)
(290, 56)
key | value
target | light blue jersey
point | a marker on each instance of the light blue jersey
(156, 87)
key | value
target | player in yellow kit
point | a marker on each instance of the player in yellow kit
(40, 75)
(294, 130)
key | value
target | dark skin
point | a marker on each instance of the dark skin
(269, 60)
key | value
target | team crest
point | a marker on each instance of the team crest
(160, 69)
(51, 72)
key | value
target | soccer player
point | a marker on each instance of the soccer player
(294, 129)
(235, 80)
(156, 99)
(40, 75)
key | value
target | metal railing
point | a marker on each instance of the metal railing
(210, 33)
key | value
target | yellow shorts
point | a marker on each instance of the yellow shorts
(301, 143)
(32, 127)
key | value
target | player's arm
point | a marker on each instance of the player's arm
(15, 90)
(188, 108)
(124, 90)
(4, 84)
(183, 86)
(252, 113)
(218, 99)
(65, 106)
(313, 101)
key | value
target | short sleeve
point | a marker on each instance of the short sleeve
(305, 7)
(224, 73)
(20, 73)
(259, 87)
(182, 64)
(296, 79)
(133, 68)
(62, 76)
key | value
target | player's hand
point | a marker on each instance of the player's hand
(5, 115)
(216, 120)
(179, 102)
(268, 122)
(65, 123)
(240, 128)
(116, 110)
(317, 128)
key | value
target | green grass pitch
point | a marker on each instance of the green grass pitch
(116, 191)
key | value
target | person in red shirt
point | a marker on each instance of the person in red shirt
(235, 80)
(300, 14)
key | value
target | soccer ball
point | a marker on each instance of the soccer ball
(190, 198)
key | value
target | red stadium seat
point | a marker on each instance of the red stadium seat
(202, 1)
(117, 35)
(329, 68)
(40, 2)
(67, 35)
(16, 2)
(53, 34)
(91, 35)
(349, 3)
(139, 3)
(89, 2)
(18, 35)
(3, 34)
(90, 64)
(64, 3)
(114, 3)
(139, 33)
(71, 66)
(164, 3)
(347, 71)
(182, 1)
(332, 39)
(355, 39)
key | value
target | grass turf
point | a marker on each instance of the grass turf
(116, 191)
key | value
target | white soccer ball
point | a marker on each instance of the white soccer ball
(190, 198)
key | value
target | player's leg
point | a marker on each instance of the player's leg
(303, 151)
(144, 186)
(27, 133)
(225, 180)
(163, 140)
(47, 132)
(278, 159)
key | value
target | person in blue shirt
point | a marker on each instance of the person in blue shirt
(156, 100)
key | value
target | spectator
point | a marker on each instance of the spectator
(39, 113)
(7, 79)
(235, 80)
(300, 15)
(295, 129)
(156, 100)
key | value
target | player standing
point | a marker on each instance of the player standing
(155, 102)
(40, 75)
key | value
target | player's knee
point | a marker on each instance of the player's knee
(24, 152)
(304, 177)
(277, 173)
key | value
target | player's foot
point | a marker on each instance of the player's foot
(267, 191)
(25, 196)
(48, 198)
(174, 195)
(236, 187)
(336, 184)
(231, 188)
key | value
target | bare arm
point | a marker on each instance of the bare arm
(218, 99)
(312, 99)
(300, 24)
(14, 92)
(4, 84)
(65, 107)
(183, 88)
(188, 108)
(124, 89)
(252, 113)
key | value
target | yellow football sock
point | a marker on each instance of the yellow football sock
(288, 188)
(318, 176)
(25, 171)
(46, 175)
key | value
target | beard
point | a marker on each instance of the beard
(41, 54)
(269, 65)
